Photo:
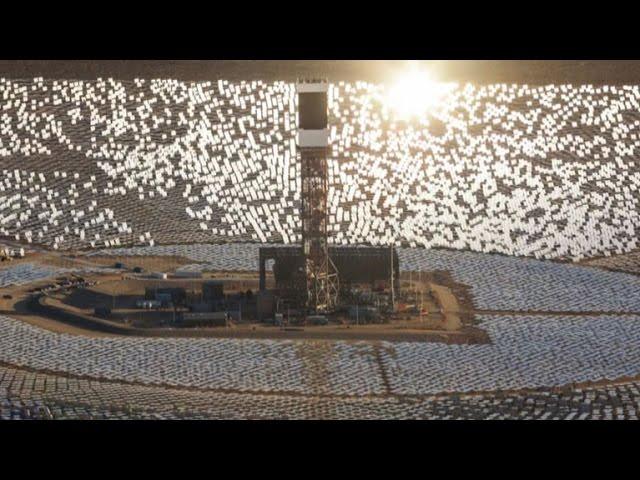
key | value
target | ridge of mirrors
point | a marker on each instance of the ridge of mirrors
(543, 171)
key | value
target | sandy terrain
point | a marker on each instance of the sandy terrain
(125, 288)
(148, 264)
(529, 72)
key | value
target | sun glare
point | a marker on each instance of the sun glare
(415, 93)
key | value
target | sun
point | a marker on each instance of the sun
(415, 93)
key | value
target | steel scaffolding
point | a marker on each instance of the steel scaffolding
(321, 274)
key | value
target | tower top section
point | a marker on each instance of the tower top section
(315, 85)
(312, 113)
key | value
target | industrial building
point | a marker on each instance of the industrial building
(166, 295)
(357, 266)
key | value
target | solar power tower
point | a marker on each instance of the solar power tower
(313, 145)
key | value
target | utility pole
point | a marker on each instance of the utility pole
(410, 282)
(393, 296)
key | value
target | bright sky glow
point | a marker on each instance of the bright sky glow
(415, 93)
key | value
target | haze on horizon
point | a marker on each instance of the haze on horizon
(532, 72)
